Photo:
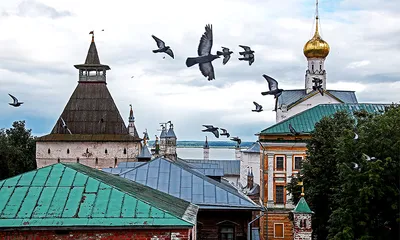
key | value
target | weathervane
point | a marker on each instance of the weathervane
(92, 32)
(302, 188)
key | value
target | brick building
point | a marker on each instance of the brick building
(73, 201)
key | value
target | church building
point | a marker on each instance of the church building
(282, 151)
(90, 130)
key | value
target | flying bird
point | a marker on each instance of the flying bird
(355, 136)
(293, 131)
(273, 89)
(356, 166)
(205, 57)
(247, 50)
(368, 158)
(132, 76)
(211, 128)
(237, 140)
(161, 47)
(64, 125)
(248, 54)
(259, 108)
(15, 102)
(224, 132)
(318, 85)
(226, 53)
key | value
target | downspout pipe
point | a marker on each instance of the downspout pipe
(249, 225)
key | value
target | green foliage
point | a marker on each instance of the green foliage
(354, 203)
(17, 150)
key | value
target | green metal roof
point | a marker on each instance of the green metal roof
(302, 207)
(71, 194)
(305, 121)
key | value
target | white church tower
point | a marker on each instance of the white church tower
(315, 50)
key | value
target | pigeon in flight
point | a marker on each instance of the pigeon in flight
(293, 131)
(64, 125)
(259, 108)
(273, 89)
(248, 54)
(226, 53)
(368, 158)
(318, 85)
(205, 57)
(356, 166)
(211, 128)
(247, 50)
(237, 140)
(355, 136)
(15, 102)
(224, 132)
(161, 47)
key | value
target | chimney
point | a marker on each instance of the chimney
(250, 179)
(206, 150)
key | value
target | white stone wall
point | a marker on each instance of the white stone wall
(206, 153)
(301, 232)
(309, 103)
(233, 179)
(58, 150)
(250, 160)
(318, 71)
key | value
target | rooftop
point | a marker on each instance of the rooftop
(180, 180)
(291, 97)
(302, 207)
(305, 121)
(71, 194)
(230, 167)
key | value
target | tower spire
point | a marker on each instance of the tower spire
(316, 19)
(92, 32)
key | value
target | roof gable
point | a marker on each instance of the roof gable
(290, 97)
(305, 121)
(71, 194)
(179, 180)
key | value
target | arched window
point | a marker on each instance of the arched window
(77, 160)
(105, 151)
(58, 160)
(301, 223)
(124, 150)
(115, 162)
(305, 223)
(67, 150)
(97, 161)
(312, 67)
(48, 151)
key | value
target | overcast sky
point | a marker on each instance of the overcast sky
(41, 40)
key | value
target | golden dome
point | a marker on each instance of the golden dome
(316, 47)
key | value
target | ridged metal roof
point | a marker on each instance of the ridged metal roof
(289, 97)
(231, 167)
(144, 153)
(71, 194)
(179, 180)
(255, 148)
(305, 121)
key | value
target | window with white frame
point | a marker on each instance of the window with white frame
(297, 162)
(279, 162)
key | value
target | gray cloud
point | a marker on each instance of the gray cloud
(37, 63)
(31, 8)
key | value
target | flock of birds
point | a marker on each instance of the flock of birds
(204, 60)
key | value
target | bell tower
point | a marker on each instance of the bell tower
(316, 50)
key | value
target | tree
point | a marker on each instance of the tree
(17, 150)
(368, 200)
(352, 197)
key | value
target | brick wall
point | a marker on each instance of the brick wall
(157, 234)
